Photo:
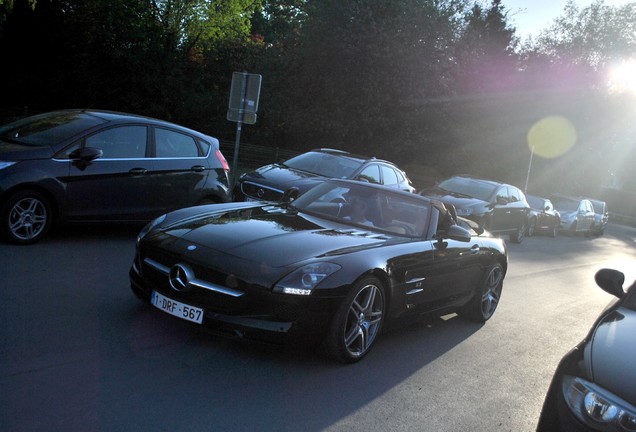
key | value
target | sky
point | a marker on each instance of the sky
(532, 16)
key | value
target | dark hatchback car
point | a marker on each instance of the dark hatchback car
(498, 207)
(308, 169)
(543, 216)
(88, 165)
(331, 266)
(594, 386)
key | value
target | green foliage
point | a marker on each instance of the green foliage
(593, 36)
(441, 86)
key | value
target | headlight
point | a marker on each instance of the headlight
(145, 230)
(5, 164)
(303, 280)
(598, 408)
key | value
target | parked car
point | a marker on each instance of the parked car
(543, 217)
(89, 165)
(593, 388)
(314, 269)
(601, 216)
(577, 214)
(308, 169)
(499, 207)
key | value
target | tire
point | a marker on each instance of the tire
(484, 303)
(573, 229)
(26, 217)
(520, 234)
(357, 322)
(555, 229)
(532, 227)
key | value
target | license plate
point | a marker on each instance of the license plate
(178, 309)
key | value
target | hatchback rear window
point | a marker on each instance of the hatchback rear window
(48, 129)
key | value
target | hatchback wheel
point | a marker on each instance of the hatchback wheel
(532, 227)
(357, 322)
(27, 217)
(487, 295)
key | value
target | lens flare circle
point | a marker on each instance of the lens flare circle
(551, 137)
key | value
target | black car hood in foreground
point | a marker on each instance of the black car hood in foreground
(273, 229)
(612, 359)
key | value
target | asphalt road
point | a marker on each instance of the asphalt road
(78, 352)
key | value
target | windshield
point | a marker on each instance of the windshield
(366, 206)
(566, 205)
(324, 164)
(469, 187)
(48, 129)
(536, 202)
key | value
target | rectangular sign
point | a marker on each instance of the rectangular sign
(245, 91)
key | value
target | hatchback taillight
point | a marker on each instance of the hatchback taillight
(221, 159)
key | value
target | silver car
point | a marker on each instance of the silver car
(601, 216)
(577, 214)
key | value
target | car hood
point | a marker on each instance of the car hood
(265, 235)
(12, 151)
(613, 363)
(458, 200)
(282, 177)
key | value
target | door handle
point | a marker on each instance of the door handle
(198, 168)
(474, 249)
(138, 171)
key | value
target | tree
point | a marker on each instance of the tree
(594, 36)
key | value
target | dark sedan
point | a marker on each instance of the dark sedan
(498, 207)
(308, 169)
(88, 165)
(594, 387)
(543, 216)
(333, 265)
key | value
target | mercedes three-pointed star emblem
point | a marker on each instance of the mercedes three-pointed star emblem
(180, 277)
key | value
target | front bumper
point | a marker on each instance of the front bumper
(270, 317)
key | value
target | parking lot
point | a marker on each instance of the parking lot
(78, 351)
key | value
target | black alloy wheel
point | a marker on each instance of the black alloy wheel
(555, 229)
(486, 299)
(520, 234)
(573, 231)
(26, 218)
(357, 322)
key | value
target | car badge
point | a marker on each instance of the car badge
(180, 276)
(260, 192)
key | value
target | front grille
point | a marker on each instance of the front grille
(260, 192)
(255, 301)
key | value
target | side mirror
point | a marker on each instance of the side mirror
(611, 281)
(84, 156)
(290, 195)
(455, 232)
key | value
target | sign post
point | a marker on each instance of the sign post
(244, 95)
